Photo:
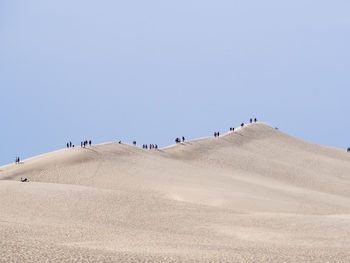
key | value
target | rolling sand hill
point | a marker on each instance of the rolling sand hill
(252, 195)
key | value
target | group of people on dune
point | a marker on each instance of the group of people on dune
(17, 160)
(251, 120)
(178, 140)
(82, 144)
(151, 146)
(85, 143)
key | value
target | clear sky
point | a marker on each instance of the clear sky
(152, 70)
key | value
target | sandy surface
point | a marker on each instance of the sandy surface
(252, 195)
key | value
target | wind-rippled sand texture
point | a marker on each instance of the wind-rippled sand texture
(252, 195)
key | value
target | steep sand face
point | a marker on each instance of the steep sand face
(252, 195)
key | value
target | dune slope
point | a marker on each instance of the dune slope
(252, 195)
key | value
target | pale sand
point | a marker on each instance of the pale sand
(253, 195)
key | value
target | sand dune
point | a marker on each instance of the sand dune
(252, 195)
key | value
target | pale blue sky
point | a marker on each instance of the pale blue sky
(155, 70)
